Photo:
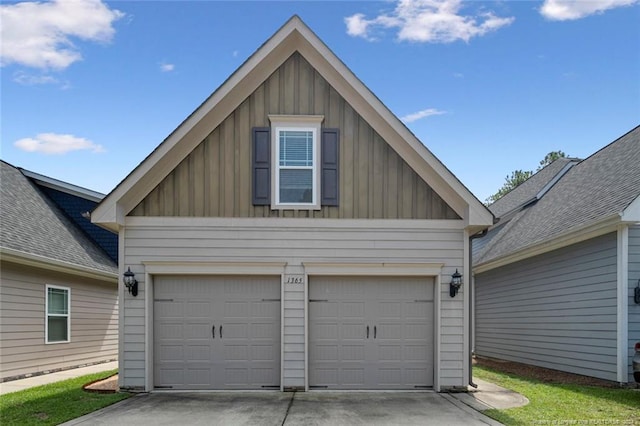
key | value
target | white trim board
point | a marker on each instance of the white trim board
(623, 304)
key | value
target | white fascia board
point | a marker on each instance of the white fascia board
(34, 260)
(65, 187)
(631, 214)
(582, 233)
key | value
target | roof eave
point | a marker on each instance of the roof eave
(573, 236)
(34, 260)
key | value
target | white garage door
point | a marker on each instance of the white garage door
(370, 333)
(216, 332)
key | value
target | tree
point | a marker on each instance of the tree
(518, 177)
(550, 158)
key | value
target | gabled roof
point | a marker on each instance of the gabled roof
(293, 36)
(594, 196)
(35, 230)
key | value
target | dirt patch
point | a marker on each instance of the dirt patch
(108, 385)
(543, 374)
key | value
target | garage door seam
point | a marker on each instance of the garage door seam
(288, 408)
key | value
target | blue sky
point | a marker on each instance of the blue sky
(90, 88)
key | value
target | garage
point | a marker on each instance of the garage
(371, 332)
(216, 332)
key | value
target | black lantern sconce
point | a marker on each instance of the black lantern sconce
(455, 284)
(130, 282)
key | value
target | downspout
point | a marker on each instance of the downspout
(471, 296)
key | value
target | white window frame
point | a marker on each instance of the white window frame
(280, 123)
(47, 315)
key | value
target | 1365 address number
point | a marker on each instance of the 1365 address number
(294, 279)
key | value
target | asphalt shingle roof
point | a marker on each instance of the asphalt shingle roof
(32, 223)
(528, 189)
(593, 190)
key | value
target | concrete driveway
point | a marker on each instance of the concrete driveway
(277, 409)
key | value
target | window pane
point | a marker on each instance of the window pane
(57, 329)
(296, 148)
(296, 186)
(58, 301)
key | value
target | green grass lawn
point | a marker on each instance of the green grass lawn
(55, 403)
(558, 404)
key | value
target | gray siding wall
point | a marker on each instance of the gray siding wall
(556, 310)
(634, 276)
(94, 321)
(294, 242)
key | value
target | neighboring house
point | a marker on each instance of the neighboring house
(58, 277)
(555, 278)
(292, 233)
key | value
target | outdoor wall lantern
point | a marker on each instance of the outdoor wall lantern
(130, 282)
(455, 284)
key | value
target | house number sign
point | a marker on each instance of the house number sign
(294, 279)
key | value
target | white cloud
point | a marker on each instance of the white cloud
(235, 53)
(428, 21)
(357, 25)
(167, 67)
(563, 10)
(410, 118)
(458, 75)
(25, 79)
(53, 143)
(39, 35)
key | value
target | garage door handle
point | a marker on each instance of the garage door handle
(375, 331)
(367, 332)
(221, 331)
(213, 331)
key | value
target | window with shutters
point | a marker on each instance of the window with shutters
(295, 163)
(58, 304)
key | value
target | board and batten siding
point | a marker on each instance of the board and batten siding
(215, 179)
(292, 241)
(556, 310)
(634, 279)
(94, 321)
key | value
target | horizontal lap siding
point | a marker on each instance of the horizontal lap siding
(294, 245)
(634, 280)
(556, 310)
(215, 179)
(94, 321)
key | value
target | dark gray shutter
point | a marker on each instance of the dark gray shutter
(261, 175)
(330, 167)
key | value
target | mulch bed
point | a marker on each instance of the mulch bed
(542, 374)
(108, 385)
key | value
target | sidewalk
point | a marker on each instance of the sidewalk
(488, 395)
(30, 382)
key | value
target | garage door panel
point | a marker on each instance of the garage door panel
(214, 332)
(198, 353)
(397, 351)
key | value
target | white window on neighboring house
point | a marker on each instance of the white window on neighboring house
(296, 155)
(57, 321)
